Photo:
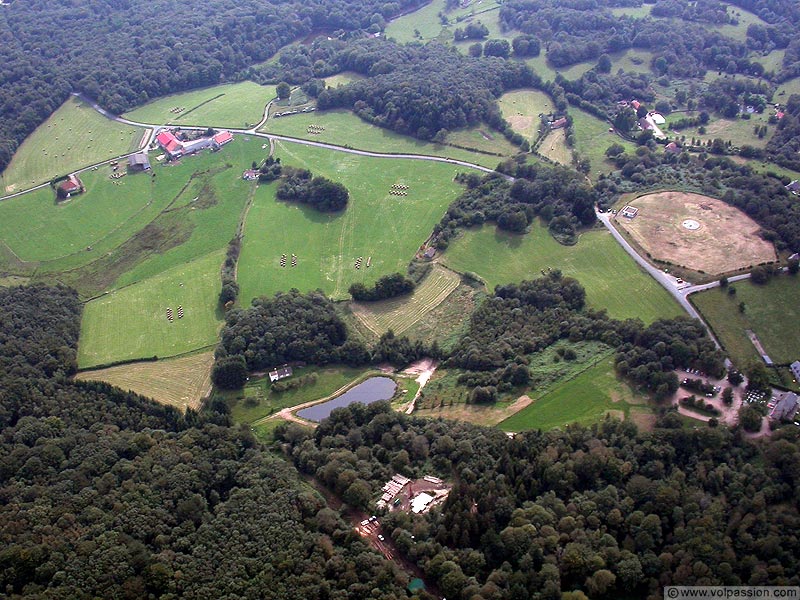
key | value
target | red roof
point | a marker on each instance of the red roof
(223, 137)
(173, 146)
(635, 104)
(164, 138)
(779, 114)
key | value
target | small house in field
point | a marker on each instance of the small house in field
(559, 123)
(220, 139)
(250, 175)
(672, 148)
(430, 252)
(70, 186)
(794, 186)
(139, 162)
(280, 373)
(629, 212)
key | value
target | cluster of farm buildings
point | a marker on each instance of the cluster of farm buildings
(175, 147)
(401, 493)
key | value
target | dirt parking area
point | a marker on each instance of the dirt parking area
(696, 232)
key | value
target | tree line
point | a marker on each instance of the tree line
(597, 512)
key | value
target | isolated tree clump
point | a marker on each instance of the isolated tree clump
(318, 192)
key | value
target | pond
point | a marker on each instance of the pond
(372, 390)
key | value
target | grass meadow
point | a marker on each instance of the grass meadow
(343, 128)
(482, 139)
(74, 137)
(375, 224)
(587, 398)
(343, 78)
(181, 382)
(554, 146)
(399, 314)
(772, 311)
(131, 322)
(235, 105)
(592, 139)
(786, 89)
(736, 131)
(521, 108)
(612, 279)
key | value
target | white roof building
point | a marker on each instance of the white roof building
(421, 502)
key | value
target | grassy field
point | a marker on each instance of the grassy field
(786, 89)
(744, 19)
(637, 12)
(74, 136)
(424, 21)
(631, 61)
(343, 128)
(399, 314)
(772, 311)
(483, 139)
(772, 61)
(229, 105)
(737, 131)
(548, 72)
(343, 78)
(521, 108)
(449, 319)
(587, 398)
(387, 228)
(611, 278)
(258, 401)
(182, 382)
(119, 233)
(554, 146)
(592, 139)
(132, 323)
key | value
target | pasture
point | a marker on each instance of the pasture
(181, 382)
(588, 398)
(772, 311)
(548, 72)
(399, 314)
(612, 279)
(592, 139)
(134, 227)
(343, 78)
(385, 229)
(482, 139)
(258, 401)
(744, 19)
(132, 322)
(636, 12)
(521, 108)
(736, 131)
(554, 146)
(773, 61)
(631, 61)
(343, 128)
(235, 105)
(75, 136)
(696, 232)
(786, 89)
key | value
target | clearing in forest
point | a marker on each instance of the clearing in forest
(398, 314)
(696, 232)
(166, 315)
(181, 382)
(75, 136)
(382, 229)
(591, 396)
(612, 279)
(234, 105)
(521, 108)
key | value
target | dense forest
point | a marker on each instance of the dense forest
(600, 512)
(125, 53)
(107, 494)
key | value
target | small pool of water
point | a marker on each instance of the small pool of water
(372, 390)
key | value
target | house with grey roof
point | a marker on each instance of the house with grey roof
(785, 408)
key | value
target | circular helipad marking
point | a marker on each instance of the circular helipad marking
(691, 224)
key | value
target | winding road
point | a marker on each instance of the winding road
(679, 291)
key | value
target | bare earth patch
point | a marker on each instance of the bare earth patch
(181, 382)
(726, 239)
(522, 124)
(644, 420)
